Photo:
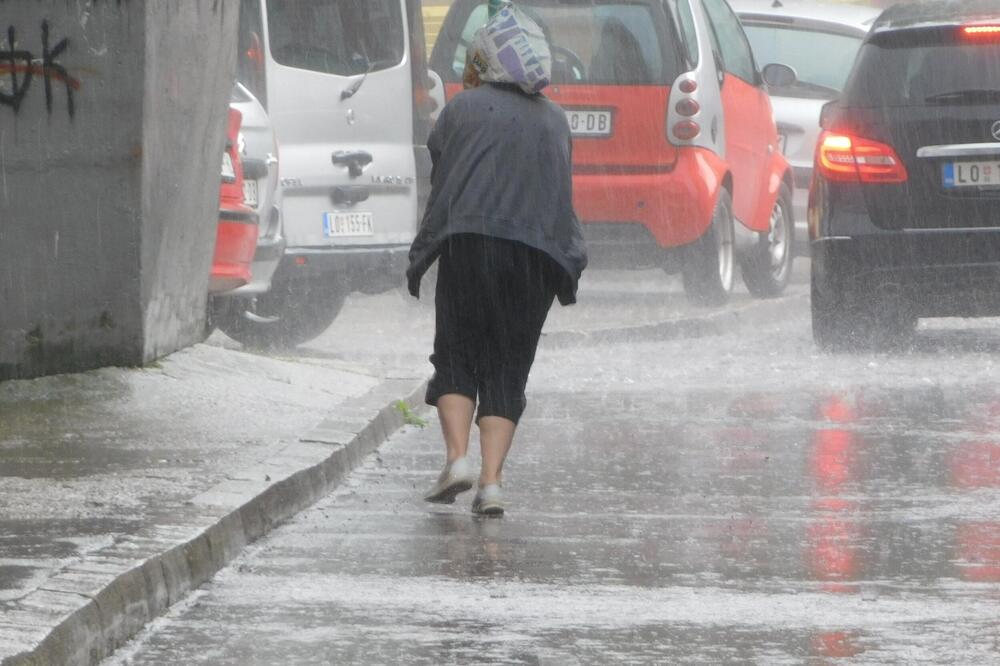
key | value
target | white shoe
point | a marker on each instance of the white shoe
(455, 478)
(489, 501)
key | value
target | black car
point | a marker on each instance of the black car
(904, 210)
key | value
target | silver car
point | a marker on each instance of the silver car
(819, 43)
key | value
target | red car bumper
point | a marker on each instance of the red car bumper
(674, 203)
(235, 245)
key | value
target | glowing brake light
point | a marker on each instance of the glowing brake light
(981, 31)
(846, 158)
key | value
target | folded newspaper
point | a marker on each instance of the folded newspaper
(511, 48)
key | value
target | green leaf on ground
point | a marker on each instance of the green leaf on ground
(409, 416)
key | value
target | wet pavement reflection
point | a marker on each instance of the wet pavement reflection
(655, 525)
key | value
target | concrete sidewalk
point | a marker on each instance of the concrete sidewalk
(122, 490)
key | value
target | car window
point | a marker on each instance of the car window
(926, 74)
(822, 60)
(477, 19)
(733, 43)
(689, 36)
(250, 60)
(625, 43)
(343, 37)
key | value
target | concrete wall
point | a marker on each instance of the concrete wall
(109, 177)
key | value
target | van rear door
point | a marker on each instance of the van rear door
(340, 91)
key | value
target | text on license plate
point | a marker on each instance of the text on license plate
(348, 224)
(250, 193)
(972, 174)
(589, 123)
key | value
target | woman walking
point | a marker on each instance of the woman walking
(501, 225)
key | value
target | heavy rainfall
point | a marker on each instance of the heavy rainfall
(722, 276)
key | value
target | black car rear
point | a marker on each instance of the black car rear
(905, 203)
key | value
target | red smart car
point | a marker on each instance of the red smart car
(676, 156)
(236, 238)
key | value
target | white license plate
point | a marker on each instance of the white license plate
(336, 225)
(589, 123)
(250, 193)
(972, 174)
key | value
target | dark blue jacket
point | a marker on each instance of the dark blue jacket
(502, 168)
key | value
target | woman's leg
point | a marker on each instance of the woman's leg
(496, 434)
(456, 412)
(520, 295)
(452, 389)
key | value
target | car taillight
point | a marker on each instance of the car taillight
(849, 158)
(688, 86)
(981, 32)
(688, 107)
(686, 130)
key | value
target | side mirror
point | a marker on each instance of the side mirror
(777, 75)
(436, 90)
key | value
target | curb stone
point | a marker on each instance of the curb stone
(96, 605)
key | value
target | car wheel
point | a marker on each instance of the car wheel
(851, 319)
(287, 316)
(709, 263)
(767, 268)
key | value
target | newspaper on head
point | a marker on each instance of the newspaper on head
(511, 48)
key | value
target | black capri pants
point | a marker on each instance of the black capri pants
(492, 298)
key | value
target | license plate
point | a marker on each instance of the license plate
(589, 123)
(250, 193)
(972, 174)
(348, 224)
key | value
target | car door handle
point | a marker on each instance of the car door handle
(354, 160)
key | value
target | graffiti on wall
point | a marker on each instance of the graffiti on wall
(20, 69)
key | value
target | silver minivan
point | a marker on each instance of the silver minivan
(346, 85)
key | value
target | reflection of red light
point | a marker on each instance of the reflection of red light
(836, 644)
(837, 409)
(833, 549)
(979, 550)
(831, 459)
(976, 465)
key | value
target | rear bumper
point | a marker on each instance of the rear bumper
(367, 269)
(674, 204)
(235, 245)
(940, 273)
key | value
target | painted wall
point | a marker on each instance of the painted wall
(112, 125)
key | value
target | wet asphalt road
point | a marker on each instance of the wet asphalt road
(737, 498)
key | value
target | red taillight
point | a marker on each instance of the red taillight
(687, 107)
(686, 130)
(848, 158)
(688, 86)
(981, 31)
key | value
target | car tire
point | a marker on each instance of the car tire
(845, 319)
(709, 263)
(287, 316)
(767, 268)
(832, 326)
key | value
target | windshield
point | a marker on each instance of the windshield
(927, 74)
(599, 43)
(343, 37)
(822, 60)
